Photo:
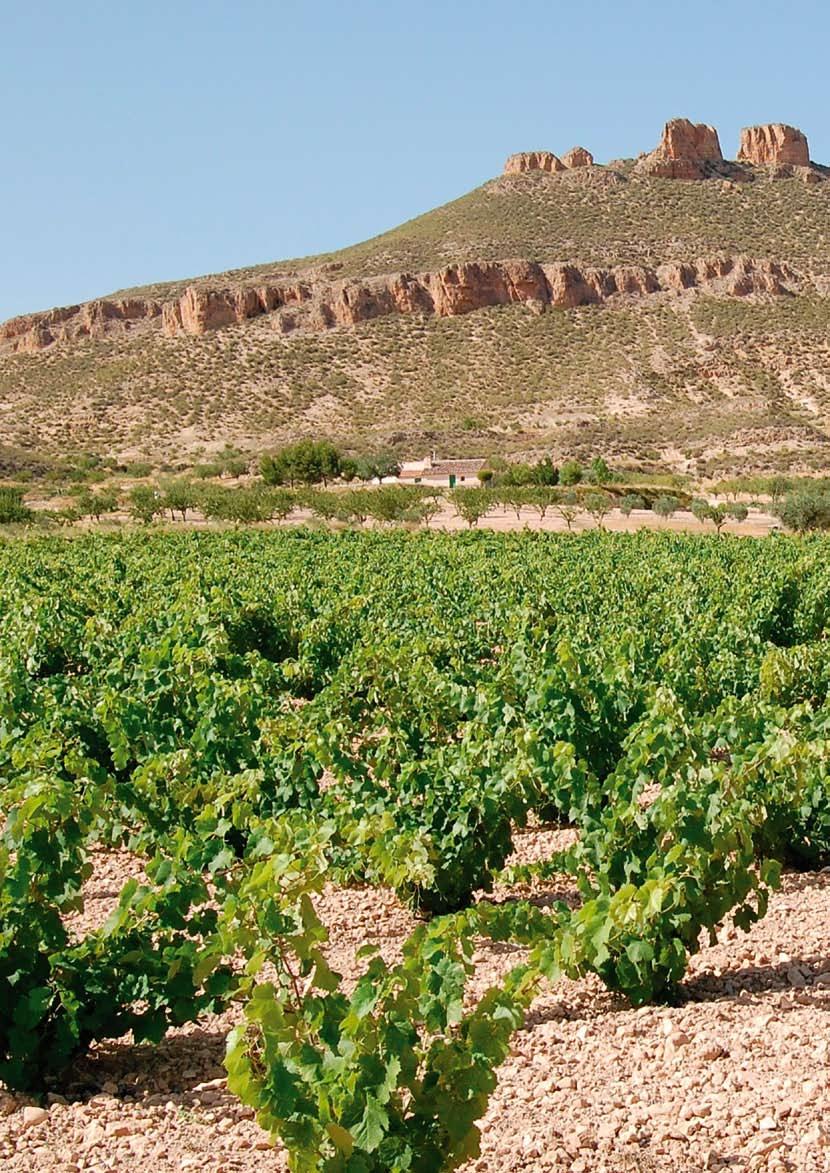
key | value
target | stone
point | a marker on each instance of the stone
(774, 144)
(676, 1040)
(120, 1128)
(577, 157)
(713, 1051)
(455, 289)
(93, 1134)
(34, 332)
(33, 1116)
(687, 150)
(534, 161)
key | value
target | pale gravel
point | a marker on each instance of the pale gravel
(736, 1077)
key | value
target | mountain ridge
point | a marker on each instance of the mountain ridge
(678, 256)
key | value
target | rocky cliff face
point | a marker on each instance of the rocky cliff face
(449, 292)
(313, 299)
(577, 157)
(459, 289)
(774, 145)
(687, 150)
(93, 319)
(546, 161)
(533, 161)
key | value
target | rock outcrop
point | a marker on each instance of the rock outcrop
(460, 289)
(687, 150)
(774, 144)
(315, 305)
(547, 161)
(533, 161)
(577, 157)
(93, 319)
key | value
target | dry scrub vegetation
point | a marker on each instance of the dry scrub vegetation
(592, 216)
(707, 385)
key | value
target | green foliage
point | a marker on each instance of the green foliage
(145, 503)
(570, 473)
(138, 469)
(308, 462)
(376, 467)
(472, 504)
(666, 506)
(90, 503)
(393, 504)
(599, 505)
(12, 508)
(598, 472)
(178, 496)
(630, 502)
(543, 472)
(391, 1077)
(568, 507)
(244, 505)
(805, 509)
(182, 694)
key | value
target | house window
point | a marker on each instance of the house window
(463, 478)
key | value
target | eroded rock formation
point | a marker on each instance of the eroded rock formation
(93, 319)
(687, 150)
(533, 161)
(448, 292)
(774, 144)
(460, 289)
(577, 157)
(547, 161)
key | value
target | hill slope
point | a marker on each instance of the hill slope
(595, 309)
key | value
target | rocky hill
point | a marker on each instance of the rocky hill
(672, 308)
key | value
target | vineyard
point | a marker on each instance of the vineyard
(259, 719)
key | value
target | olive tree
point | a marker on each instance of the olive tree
(599, 506)
(666, 506)
(630, 502)
(805, 509)
(568, 508)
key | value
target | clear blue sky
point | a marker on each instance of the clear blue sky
(155, 140)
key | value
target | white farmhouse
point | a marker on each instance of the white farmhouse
(441, 473)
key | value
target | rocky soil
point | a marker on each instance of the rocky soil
(735, 1077)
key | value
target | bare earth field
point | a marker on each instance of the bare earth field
(759, 523)
(735, 1077)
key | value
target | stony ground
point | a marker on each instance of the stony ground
(736, 1077)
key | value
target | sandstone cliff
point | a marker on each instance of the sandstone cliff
(577, 157)
(449, 292)
(93, 319)
(573, 159)
(533, 161)
(774, 144)
(687, 150)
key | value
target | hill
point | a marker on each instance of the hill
(668, 309)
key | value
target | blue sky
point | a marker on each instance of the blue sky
(150, 141)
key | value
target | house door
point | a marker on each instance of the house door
(452, 480)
